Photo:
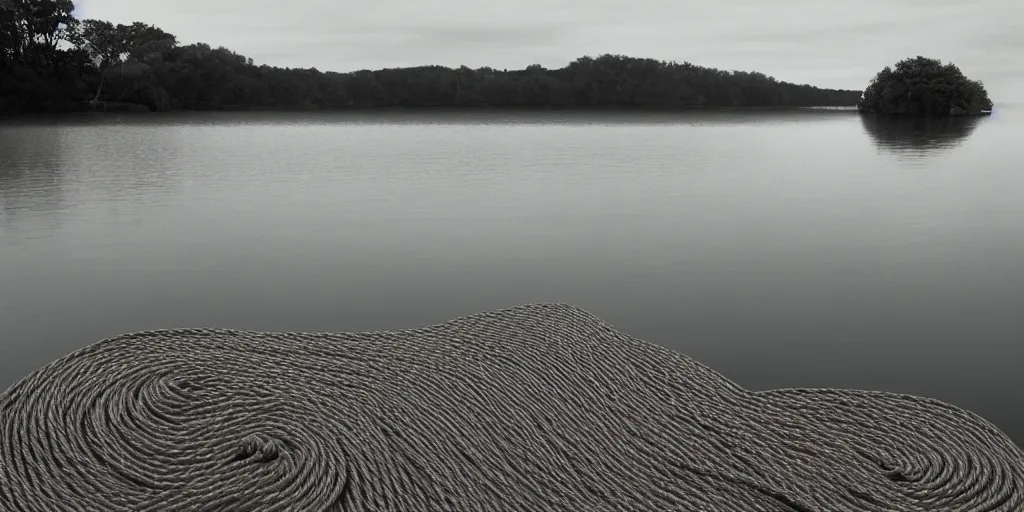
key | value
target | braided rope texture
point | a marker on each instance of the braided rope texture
(535, 408)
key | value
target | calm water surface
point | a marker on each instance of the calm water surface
(800, 249)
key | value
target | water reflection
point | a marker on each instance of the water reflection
(446, 117)
(782, 250)
(918, 137)
(124, 163)
(50, 173)
(32, 185)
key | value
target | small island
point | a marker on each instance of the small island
(924, 87)
(51, 61)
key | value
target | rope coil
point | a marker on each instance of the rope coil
(534, 408)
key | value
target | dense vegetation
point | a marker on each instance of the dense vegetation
(924, 87)
(52, 61)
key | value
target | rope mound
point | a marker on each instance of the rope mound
(535, 408)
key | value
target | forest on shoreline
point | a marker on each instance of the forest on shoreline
(51, 61)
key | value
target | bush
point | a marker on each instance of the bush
(924, 87)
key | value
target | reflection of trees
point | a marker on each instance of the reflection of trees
(31, 179)
(123, 160)
(918, 135)
(109, 162)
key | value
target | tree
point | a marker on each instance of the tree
(146, 42)
(924, 87)
(35, 72)
(31, 29)
(105, 43)
(110, 45)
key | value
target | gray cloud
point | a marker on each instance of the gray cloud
(456, 36)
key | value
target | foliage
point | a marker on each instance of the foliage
(34, 70)
(924, 87)
(31, 29)
(144, 65)
(109, 45)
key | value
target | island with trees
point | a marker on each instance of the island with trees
(924, 87)
(51, 61)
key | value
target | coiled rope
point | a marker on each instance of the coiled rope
(534, 408)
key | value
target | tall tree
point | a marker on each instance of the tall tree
(107, 44)
(146, 42)
(111, 45)
(30, 30)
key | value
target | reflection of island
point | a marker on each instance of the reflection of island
(918, 136)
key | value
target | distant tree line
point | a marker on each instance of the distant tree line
(52, 61)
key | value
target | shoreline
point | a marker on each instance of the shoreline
(122, 108)
(143, 111)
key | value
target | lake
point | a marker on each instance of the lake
(784, 249)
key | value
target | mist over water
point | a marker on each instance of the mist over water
(783, 249)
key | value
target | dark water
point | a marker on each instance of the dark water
(783, 249)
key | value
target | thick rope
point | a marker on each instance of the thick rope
(535, 408)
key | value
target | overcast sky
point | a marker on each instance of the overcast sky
(828, 43)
